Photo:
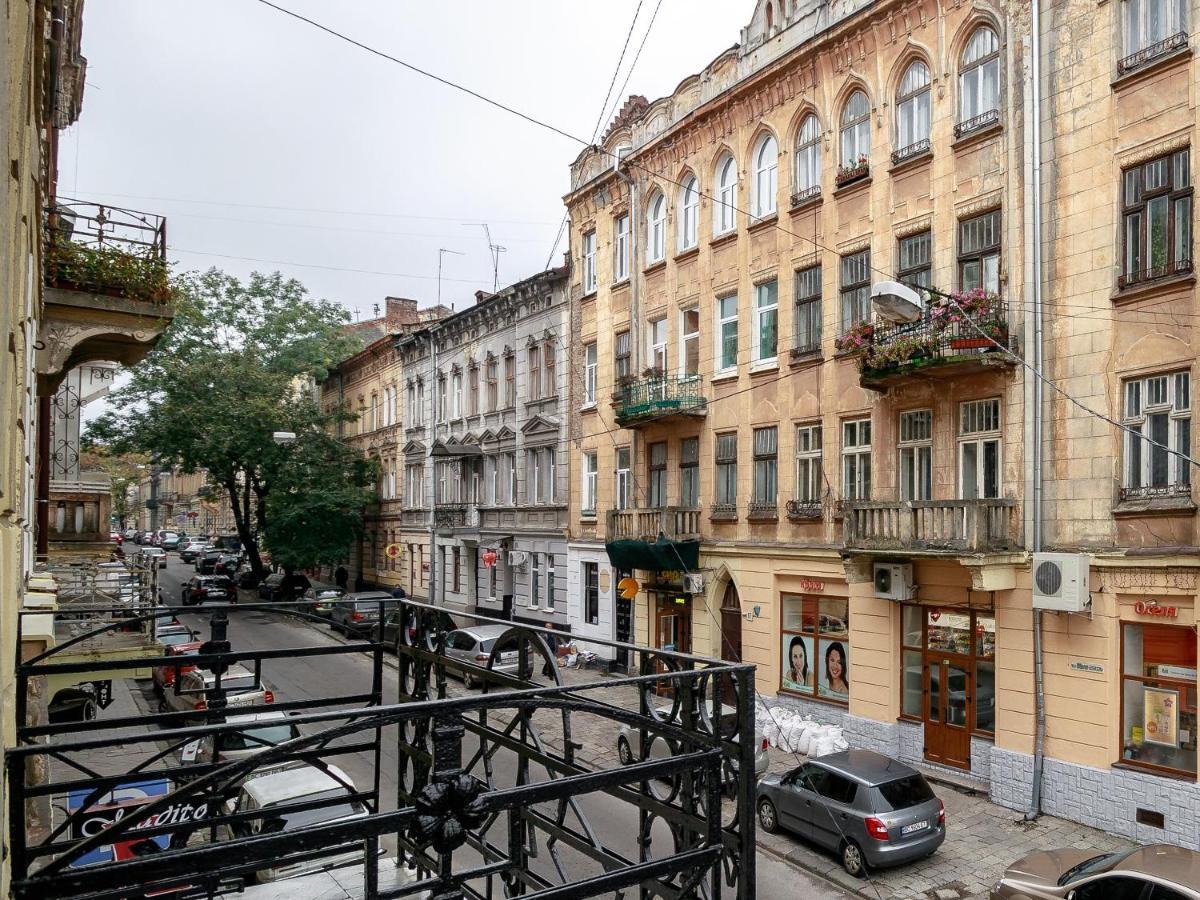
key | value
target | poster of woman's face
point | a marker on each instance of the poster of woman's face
(833, 670)
(798, 667)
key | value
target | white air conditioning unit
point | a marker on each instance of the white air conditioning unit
(1060, 581)
(693, 583)
(894, 581)
(517, 558)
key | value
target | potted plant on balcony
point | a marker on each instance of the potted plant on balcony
(107, 270)
(900, 351)
(856, 339)
(853, 170)
(970, 313)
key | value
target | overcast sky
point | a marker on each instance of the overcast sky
(262, 138)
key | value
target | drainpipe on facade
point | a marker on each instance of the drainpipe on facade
(433, 401)
(635, 334)
(1039, 739)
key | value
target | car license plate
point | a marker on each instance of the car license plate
(915, 826)
(510, 657)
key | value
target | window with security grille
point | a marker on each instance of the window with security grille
(1158, 415)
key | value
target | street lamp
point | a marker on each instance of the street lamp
(897, 302)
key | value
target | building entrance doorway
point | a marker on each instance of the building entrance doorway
(731, 625)
(949, 710)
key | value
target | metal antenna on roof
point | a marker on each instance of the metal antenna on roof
(441, 252)
(496, 250)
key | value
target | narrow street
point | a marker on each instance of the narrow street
(614, 823)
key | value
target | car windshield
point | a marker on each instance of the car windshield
(256, 738)
(301, 818)
(170, 640)
(1101, 863)
(236, 683)
(905, 792)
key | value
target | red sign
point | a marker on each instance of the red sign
(489, 558)
(1152, 608)
(811, 585)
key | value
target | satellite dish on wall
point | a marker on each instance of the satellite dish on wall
(896, 302)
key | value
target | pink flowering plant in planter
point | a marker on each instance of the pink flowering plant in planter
(853, 169)
(857, 338)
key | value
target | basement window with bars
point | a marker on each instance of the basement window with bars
(1156, 219)
(1158, 416)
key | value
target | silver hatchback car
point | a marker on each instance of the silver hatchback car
(872, 810)
(474, 645)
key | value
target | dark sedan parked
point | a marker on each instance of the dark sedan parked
(209, 589)
(359, 613)
(206, 562)
(391, 628)
(870, 809)
(269, 587)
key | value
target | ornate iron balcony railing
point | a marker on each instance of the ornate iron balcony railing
(910, 152)
(977, 123)
(1155, 491)
(1153, 52)
(1154, 273)
(657, 397)
(804, 510)
(799, 198)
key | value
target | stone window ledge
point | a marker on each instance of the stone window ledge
(1155, 506)
(1158, 286)
(977, 135)
(1152, 67)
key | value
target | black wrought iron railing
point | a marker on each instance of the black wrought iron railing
(850, 174)
(1155, 491)
(801, 351)
(657, 397)
(912, 151)
(449, 515)
(1154, 273)
(799, 198)
(977, 123)
(803, 510)
(942, 334)
(1154, 51)
(723, 512)
(413, 784)
(760, 509)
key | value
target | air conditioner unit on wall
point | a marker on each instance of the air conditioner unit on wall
(894, 581)
(1060, 581)
(693, 583)
(517, 558)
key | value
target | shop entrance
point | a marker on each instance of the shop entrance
(731, 625)
(948, 710)
(674, 629)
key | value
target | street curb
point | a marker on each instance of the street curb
(783, 857)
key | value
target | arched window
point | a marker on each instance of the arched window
(979, 78)
(856, 131)
(770, 17)
(656, 228)
(689, 213)
(912, 110)
(808, 157)
(766, 176)
(726, 196)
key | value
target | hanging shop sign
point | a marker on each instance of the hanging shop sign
(489, 558)
(1154, 608)
(393, 551)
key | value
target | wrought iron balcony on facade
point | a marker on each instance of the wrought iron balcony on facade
(970, 526)
(1182, 266)
(806, 196)
(655, 398)
(448, 516)
(1147, 55)
(1155, 492)
(981, 122)
(677, 523)
(804, 510)
(912, 151)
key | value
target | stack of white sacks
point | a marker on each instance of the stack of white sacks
(793, 733)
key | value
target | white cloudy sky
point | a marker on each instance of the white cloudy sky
(261, 138)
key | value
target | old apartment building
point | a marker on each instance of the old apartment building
(851, 503)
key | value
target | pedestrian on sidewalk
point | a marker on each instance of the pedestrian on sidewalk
(342, 578)
(551, 640)
(399, 593)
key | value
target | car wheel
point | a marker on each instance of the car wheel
(624, 752)
(469, 681)
(88, 710)
(852, 860)
(768, 818)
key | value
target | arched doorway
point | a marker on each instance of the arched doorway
(731, 624)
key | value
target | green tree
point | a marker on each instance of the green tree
(123, 469)
(237, 364)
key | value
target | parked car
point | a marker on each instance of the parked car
(175, 638)
(188, 552)
(73, 704)
(290, 787)
(130, 534)
(358, 613)
(116, 537)
(322, 600)
(1153, 872)
(238, 682)
(262, 730)
(873, 811)
(206, 562)
(391, 628)
(155, 555)
(208, 588)
(269, 587)
(164, 675)
(227, 564)
(474, 645)
(169, 540)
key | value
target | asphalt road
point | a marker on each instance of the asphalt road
(615, 823)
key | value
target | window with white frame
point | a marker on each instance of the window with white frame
(689, 473)
(727, 333)
(979, 449)
(512, 478)
(591, 593)
(621, 249)
(488, 497)
(590, 368)
(856, 459)
(535, 372)
(724, 215)
(411, 394)
(689, 213)
(766, 176)
(979, 77)
(766, 321)
(493, 383)
(419, 412)
(590, 472)
(1151, 23)
(856, 289)
(589, 262)
(535, 580)
(856, 131)
(656, 228)
(916, 455)
(806, 317)
(441, 399)
(725, 456)
(689, 340)
(912, 110)
(374, 412)
(1158, 414)
(456, 408)
(549, 369)
(809, 475)
(766, 466)
(624, 482)
(550, 585)
(510, 380)
(808, 158)
(656, 337)
(473, 390)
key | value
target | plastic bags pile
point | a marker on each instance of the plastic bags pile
(793, 733)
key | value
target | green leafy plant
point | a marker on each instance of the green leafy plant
(108, 270)
(857, 337)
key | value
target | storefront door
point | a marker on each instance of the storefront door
(948, 710)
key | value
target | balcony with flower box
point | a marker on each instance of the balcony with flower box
(853, 173)
(657, 397)
(965, 334)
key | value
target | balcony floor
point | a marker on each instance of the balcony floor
(939, 367)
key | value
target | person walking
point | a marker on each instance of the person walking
(552, 642)
(342, 578)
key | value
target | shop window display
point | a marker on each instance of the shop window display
(816, 647)
(1158, 679)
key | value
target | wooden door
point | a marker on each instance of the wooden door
(731, 625)
(949, 709)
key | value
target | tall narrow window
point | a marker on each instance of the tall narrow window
(621, 249)
(656, 471)
(726, 207)
(979, 81)
(656, 337)
(766, 176)
(916, 259)
(912, 112)
(725, 458)
(473, 394)
(589, 483)
(374, 412)
(727, 333)
(419, 414)
(806, 319)
(689, 472)
(623, 479)
(456, 403)
(916, 455)
(856, 459)
(591, 593)
(441, 398)
(979, 253)
(766, 468)
(856, 289)
(551, 587)
(510, 380)
(1156, 214)
(979, 449)
(656, 228)
(809, 476)
(589, 374)
(411, 393)
(766, 321)
(808, 160)
(535, 580)
(493, 386)
(622, 356)
(549, 369)
(1152, 28)
(689, 213)
(689, 340)
(535, 372)
(856, 133)
(1158, 414)
(589, 262)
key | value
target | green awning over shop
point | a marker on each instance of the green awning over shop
(662, 555)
